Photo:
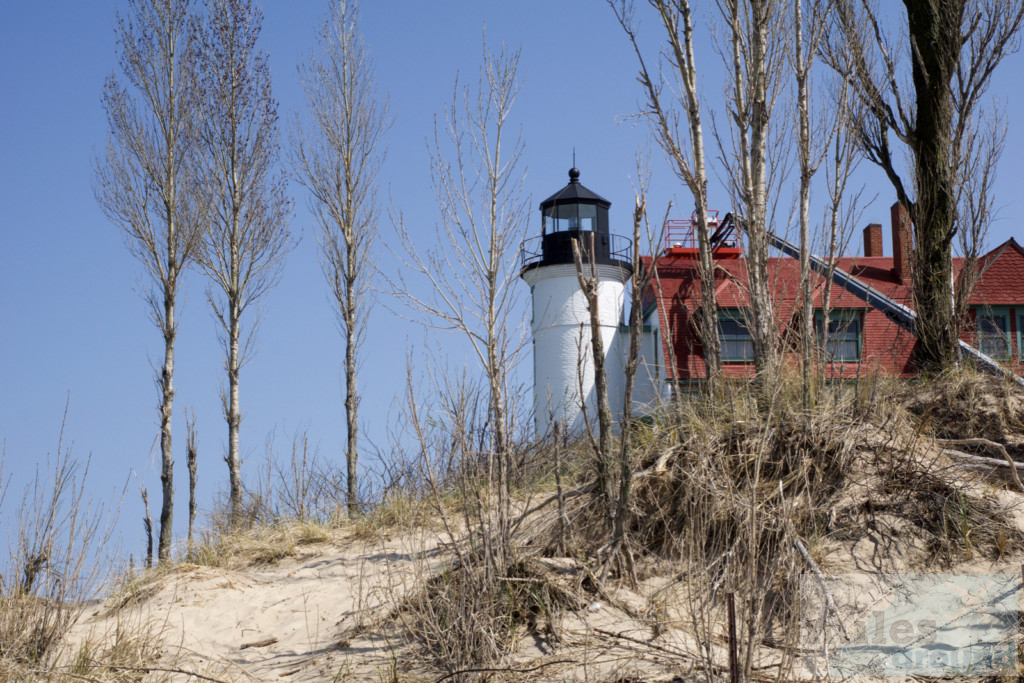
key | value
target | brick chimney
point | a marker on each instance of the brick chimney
(902, 241)
(873, 240)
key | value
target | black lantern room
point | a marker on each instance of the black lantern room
(574, 212)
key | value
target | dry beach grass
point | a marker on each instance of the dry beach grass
(729, 498)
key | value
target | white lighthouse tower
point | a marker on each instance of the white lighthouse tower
(563, 368)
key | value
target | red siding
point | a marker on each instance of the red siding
(886, 349)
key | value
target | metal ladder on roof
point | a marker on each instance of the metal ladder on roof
(898, 313)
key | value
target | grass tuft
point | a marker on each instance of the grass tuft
(258, 545)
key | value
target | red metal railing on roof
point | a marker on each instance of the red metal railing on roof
(681, 237)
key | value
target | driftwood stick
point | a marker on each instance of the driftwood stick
(829, 600)
(556, 497)
(259, 643)
(981, 461)
(830, 603)
(646, 643)
(135, 669)
(504, 669)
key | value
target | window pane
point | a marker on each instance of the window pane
(735, 339)
(737, 349)
(844, 329)
(843, 341)
(992, 324)
(587, 216)
(572, 217)
(562, 217)
(843, 349)
(732, 328)
(992, 335)
(994, 346)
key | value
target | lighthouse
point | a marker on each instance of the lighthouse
(563, 368)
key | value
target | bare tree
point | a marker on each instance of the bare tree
(755, 57)
(821, 117)
(248, 237)
(147, 525)
(684, 147)
(590, 287)
(842, 207)
(803, 59)
(953, 48)
(145, 184)
(640, 284)
(472, 275)
(614, 470)
(978, 156)
(338, 161)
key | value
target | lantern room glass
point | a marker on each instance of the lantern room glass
(576, 216)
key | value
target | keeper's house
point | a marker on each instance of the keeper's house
(860, 340)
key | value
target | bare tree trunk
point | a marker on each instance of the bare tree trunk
(641, 282)
(802, 71)
(351, 421)
(146, 184)
(192, 453)
(557, 441)
(499, 443)
(751, 109)
(496, 374)
(590, 286)
(233, 416)
(813, 142)
(147, 524)
(167, 453)
(933, 27)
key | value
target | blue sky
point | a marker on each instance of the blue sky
(73, 326)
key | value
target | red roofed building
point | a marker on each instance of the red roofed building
(858, 340)
(997, 304)
(861, 341)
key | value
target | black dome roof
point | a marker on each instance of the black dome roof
(574, 193)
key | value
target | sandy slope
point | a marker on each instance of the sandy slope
(328, 613)
(272, 621)
(315, 617)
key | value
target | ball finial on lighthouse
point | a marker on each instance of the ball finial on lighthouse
(574, 175)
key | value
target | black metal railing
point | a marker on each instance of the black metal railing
(556, 248)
